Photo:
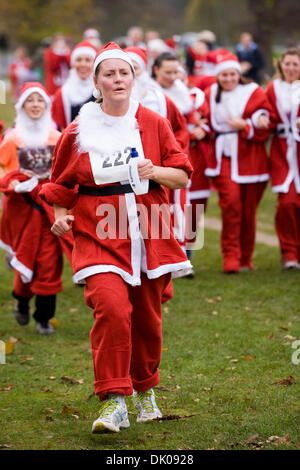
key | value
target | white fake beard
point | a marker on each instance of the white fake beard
(78, 90)
(179, 93)
(33, 132)
(141, 83)
(101, 133)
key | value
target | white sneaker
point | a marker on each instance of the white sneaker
(113, 415)
(146, 406)
(291, 265)
(186, 272)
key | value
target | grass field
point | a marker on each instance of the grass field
(227, 376)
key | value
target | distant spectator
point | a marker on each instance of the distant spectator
(135, 37)
(93, 36)
(19, 71)
(199, 58)
(250, 57)
(56, 64)
(149, 35)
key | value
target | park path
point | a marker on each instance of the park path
(261, 237)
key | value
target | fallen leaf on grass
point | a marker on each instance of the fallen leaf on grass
(214, 312)
(252, 439)
(164, 389)
(289, 381)
(166, 309)
(68, 411)
(47, 390)
(249, 358)
(7, 389)
(49, 410)
(164, 349)
(276, 440)
(210, 301)
(52, 377)
(13, 340)
(292, 338)
(54, 322)
(5, 446)
(67, 379)
(170, 376)
(207, 389)
(73, 310)
(234, 360)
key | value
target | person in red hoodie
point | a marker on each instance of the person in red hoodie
(284, 98)
(237, 162)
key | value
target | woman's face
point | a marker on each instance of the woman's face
(229, 79)
(291, 68)
(84, 66)
(115, 81)
(137, 69)
(167, 73)
(35, 106)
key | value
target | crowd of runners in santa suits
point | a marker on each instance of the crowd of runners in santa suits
(72, 149)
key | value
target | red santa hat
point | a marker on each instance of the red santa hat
(27, 89)
(227, 61)
(138, 55)
(112, 51)
(83, 48)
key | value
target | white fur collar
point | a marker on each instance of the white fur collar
(101, 133)
(78, 91)
(179, 94)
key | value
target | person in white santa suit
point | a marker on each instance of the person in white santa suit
(97, 175)
(78, 88)
(149, 95)
(25, 166)
(199, 189)
(284, 97)
(165, 79)
(238, 162)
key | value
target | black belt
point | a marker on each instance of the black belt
(33, 203)
(112, 190)
(216, 134)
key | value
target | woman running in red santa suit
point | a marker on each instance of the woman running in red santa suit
(238, 160)
(25, 165)
(284, 97)
(125, 276)
(78, 88)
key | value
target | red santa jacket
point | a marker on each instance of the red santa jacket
(56, 69)
(249, 161)
(23, 217)
(285, 146)
(120, 254)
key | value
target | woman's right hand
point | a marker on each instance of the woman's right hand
(13, 184)
(62, 225)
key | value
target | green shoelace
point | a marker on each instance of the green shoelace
(144, 398)
(108, 407)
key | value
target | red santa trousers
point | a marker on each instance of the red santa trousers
(238, 203)
(287, 221)
(126, 337)
(47, 270)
